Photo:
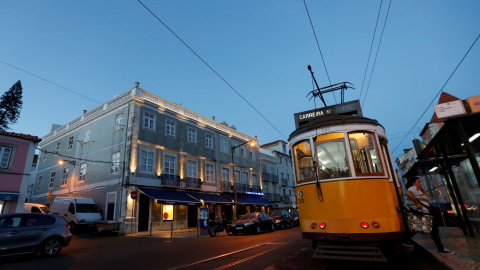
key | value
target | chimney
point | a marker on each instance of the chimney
(213, 118)
(84, 111)
(137, 84)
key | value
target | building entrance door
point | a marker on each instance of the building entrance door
(192, 216)
(143, 212)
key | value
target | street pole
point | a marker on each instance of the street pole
(252, 143)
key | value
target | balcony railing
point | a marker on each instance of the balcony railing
(241, 188)
(270, 177)
(285, 198)
(193, 183)
(276, 197)
(284, 182)
(268, 196)
(227, 186)
(170, 180)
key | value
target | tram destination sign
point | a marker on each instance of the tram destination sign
(347, 108)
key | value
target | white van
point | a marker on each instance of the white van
(35, 208)
(77, 211)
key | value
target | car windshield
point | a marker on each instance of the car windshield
(87, 208)
(249, 216)
(276, 213)
(44, 209)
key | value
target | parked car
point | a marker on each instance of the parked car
(23, 233)
(253, 223)
(35, 208)
(81, 212)
(447, 213)
(296, 220)
(282, 219)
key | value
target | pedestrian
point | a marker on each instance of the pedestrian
(418, 199)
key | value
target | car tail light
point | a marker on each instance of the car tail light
(68, 226)
(322, 225)
(364, 225)
(450, 211)
(376, 225)
(313, 226)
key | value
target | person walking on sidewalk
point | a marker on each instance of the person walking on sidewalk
(418, 199)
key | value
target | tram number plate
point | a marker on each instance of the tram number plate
(301, 200)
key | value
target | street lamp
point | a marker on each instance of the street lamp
(71, 162)
(251, 143)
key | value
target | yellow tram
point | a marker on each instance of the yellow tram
(345, 190)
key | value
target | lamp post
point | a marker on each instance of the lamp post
(252, 144)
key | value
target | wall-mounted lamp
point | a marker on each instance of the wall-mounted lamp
(69, 161)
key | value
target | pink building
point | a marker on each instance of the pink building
(17, 152)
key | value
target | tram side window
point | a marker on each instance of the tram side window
(304, 170)
(332, 159)
(365, 155)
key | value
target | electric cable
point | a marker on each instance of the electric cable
(49, 81)
(371, 46)
(441, 90)
(213, 70)
(318, 45)
(378, 49)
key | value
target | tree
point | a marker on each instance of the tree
(10, 106)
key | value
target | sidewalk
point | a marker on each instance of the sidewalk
(467, 248)
(186, 233)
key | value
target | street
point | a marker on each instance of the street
(283, 249)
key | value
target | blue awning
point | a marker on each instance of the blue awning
(210, 198)
(8, 196)
(164, 196)
(241, 199)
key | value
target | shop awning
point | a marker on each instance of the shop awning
(8, 196)
(210, 198)
(242, 199)
(164, 196)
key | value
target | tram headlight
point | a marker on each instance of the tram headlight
(364, 225)
(313, 226)
(322, 225)
(376, 225)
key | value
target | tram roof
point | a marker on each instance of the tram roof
(333, 121)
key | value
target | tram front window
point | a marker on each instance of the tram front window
(332, 159)
(365, 156)
(304, 169)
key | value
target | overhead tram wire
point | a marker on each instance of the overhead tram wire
(371, 46)
(378, 49)
(49, 81)
(213, 70)
(318, 45)
(441, 90)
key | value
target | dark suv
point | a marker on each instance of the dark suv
(24, 233)
(282, 219)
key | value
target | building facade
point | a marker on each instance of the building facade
(150, 164)
(17, 152)
(277, 174)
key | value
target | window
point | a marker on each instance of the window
(70, 143)
(119, 122)
(237, 176)
(255, 180)
(284, 149)
(65, 176)
(365, 156)
(169, 165)
(208, 140)
(57, 147)
(83, 172)
(146, 161)
(52, 179)
(5, 153)
(223, 144)
(304, 169)
(40, 182)
(148, 120)
(235, 151)
(192, 169)
(252, 154)
(115, 166)
(245, 178)
(45, 154)
(169, 127)
(167, 212)
(243, 152)
(225, 175)
(331, 156)
(209, 171)
(86, 138)
(192, 135)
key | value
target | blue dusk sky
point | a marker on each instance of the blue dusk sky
(75, 55)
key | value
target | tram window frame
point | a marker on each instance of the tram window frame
(328, 139)
(304, 159)
(366, 155)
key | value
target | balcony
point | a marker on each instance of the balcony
(276, 197)
(286, 198)
(227, 186)
(192, 183)
(170, 180)
(255, 188)
(284, 182)
(268, 196)
(270, 177)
